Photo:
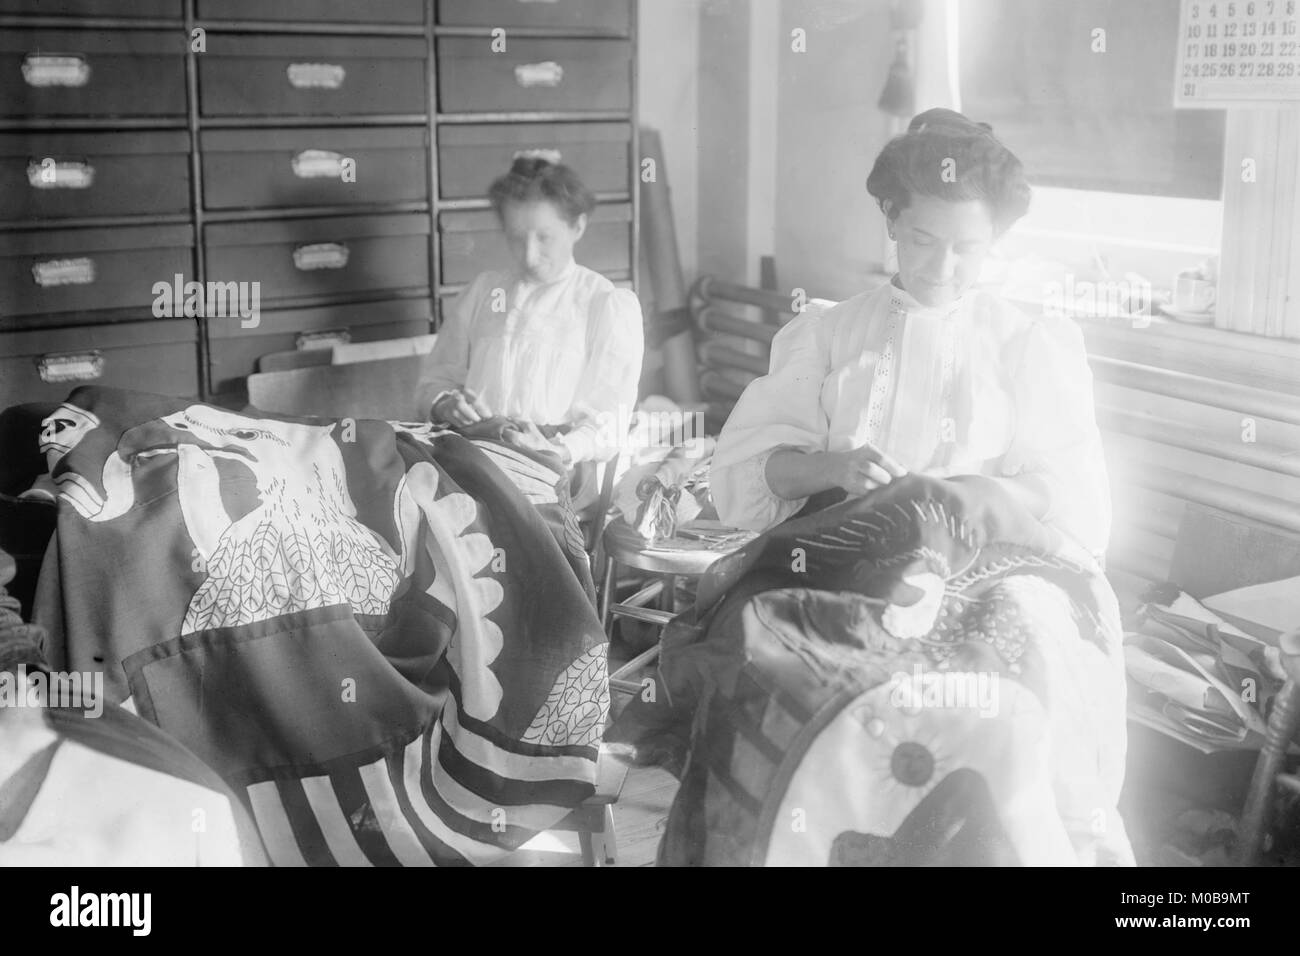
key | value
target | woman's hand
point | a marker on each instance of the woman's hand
(530, 436)
(863, 469)
(460, 407)
(793, 474)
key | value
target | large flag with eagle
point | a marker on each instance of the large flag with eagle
(380, 635)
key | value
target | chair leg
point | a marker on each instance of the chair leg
(604, 847)
(586, 842)
(1255, 818)
(606, 597)
(596, 837)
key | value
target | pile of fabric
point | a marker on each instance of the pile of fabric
(923, 675)
(1197, 676)
(379, 636)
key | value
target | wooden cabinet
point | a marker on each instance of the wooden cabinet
(251, 76)
(615, 16)
(46, 176)
(314, 166)
(335, 153)
(539, 74)
(45, 365)
(92, 73)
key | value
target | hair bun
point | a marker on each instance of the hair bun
(940, 118)
(549, 157)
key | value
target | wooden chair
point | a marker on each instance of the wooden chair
(382, 389)
(666, 565)
(1268, 778)
(593, 821)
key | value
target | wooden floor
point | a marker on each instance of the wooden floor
(639, 818)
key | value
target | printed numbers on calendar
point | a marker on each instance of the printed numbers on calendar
(1238, 51)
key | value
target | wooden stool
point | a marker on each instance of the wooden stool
(667, 560)
(593, 821)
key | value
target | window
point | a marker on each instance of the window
(1082, 92)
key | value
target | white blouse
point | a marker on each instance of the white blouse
(976, 387)
(565, 351)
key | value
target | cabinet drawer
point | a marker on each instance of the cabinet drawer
(312, 76)
(319, 11)
(73, 175)
(610, 15)
(327, 256)
(133, 9)
(473, 242)
(75, 270)
(246, 169)
(92, 72)
(470, 157)
(234, 351)
(46, 365)
(534, 74)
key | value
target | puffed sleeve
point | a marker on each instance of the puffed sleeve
(447, 363)
(606, 394)
(782, 409)
(1057, 441)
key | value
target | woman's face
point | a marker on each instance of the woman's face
(941, 247)
(540, 239)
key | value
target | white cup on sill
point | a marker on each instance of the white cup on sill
(1193, 294)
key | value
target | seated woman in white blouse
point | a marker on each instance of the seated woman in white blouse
(547, 343)
(925, 373)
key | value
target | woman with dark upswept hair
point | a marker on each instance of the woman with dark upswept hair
(927, 373)
(548, 342)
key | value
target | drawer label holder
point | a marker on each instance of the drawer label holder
(48, 173)
(55, 69)
(71, 366)
(552, 156)
(320, 255)
(318, 164)
(316, 76)
(548, 73)
(57, 272)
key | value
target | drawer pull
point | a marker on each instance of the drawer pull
(48, 174)
(55, 69)
(71, 366)
(320, 255)
(322, 340)
(316, 76)
(56, 272)
(539, 1)
(548, 73)
(552, 156)
(318, 164)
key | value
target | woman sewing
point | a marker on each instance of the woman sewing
(927, 373)
(549, 345)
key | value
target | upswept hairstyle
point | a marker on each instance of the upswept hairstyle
(947, 156)
(533, 178)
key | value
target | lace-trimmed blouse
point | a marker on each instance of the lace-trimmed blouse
(977, 387)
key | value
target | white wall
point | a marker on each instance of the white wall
(668, 67)
(828, 230)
